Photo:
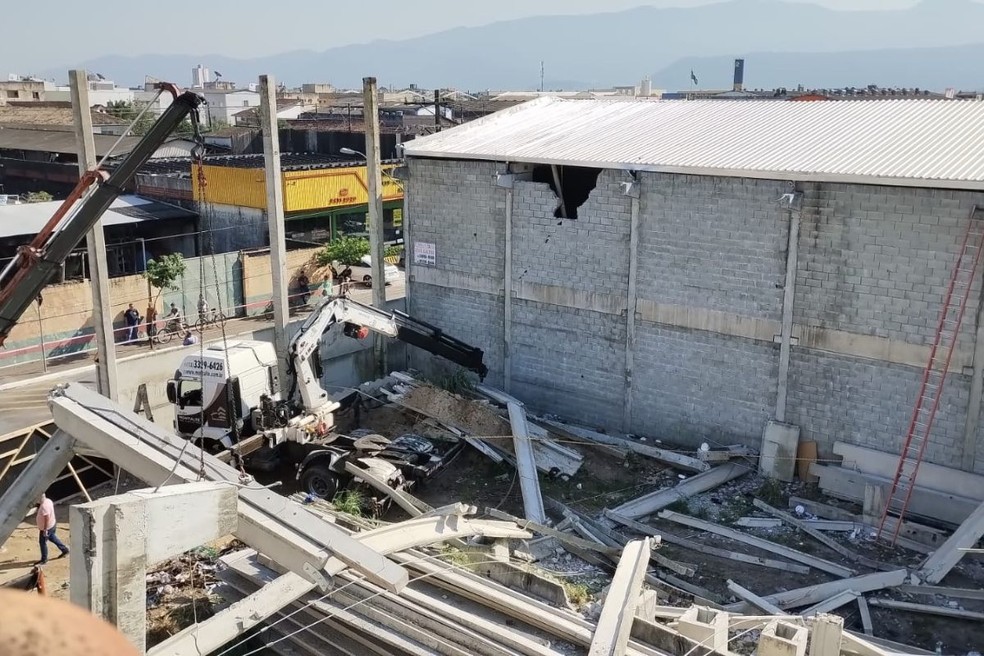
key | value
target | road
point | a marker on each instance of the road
(24, 388)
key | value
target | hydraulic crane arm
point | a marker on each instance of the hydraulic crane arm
(36, 263)
(359, 319)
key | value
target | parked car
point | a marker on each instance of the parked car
(391, 274)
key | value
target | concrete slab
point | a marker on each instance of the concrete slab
(779, 444)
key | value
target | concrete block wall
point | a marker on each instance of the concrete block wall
(873, 266)
(713, 243)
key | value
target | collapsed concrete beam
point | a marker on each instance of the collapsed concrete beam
(753, 599)
(835, 602)
(529, 482)
(938, 565)
(288, 588)
(814, 594)
(656, 501)
(33, 480)
(943, 611)
(782, 550)
(411, 505)
(155, 456)
(707, 627)
(827, 634)
(611, 636)
(117, 538)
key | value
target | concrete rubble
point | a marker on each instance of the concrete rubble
(691, 567)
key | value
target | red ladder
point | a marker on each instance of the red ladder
(934, 377)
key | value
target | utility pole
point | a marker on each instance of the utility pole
(377, 235)
(541, 76)
(106, 374)
(275, 218)
(437, 110)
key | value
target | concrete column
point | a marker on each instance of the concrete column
(782, 638)
(976, 391)
(115, 540)
(630, 312)
(706, 626)
(275, 219)
(826, 637)
(377, 234)
(789, 295)
(507, 299)
(102, 319)
(53, 457)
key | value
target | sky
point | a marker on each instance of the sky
(255, 28)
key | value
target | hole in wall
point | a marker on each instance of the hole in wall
(576, 183)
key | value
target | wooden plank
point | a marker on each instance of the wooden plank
(938, 565)
(678, 460)
(865, 616)
(931, 476)
(944, 611)
(655, 501)
(931, 505)
(821, 538)
(753, 599)
(933, 590)
(782, 550)
(643, 529)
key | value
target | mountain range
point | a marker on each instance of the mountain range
(933, 44)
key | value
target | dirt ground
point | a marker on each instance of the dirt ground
(19, 553)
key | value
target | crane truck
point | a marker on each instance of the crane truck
(35, 264)
(229, 395)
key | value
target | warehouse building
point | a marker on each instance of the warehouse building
(696, 270)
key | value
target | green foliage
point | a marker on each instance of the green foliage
(347, 250)
(37, 197)
(456, 382)
(128, 111)
(771, 492)
(455, 556)
(163, 272)
(393, 251)
(734, 509)
(348, 501)
(577, 593)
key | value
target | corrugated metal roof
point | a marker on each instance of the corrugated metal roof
(27, 219)
(55, 141)
(903, 142)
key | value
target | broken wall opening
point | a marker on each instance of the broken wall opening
(572, 184)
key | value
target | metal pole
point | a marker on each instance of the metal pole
(44, 360)
(102, 317)
(275, 218)
(370, 103)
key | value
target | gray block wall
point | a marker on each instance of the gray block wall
(873, 263)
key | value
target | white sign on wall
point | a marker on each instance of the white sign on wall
(424, 253)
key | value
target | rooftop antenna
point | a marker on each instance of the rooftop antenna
(541, 76)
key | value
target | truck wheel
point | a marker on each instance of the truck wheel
(367, 280)
(319, 481)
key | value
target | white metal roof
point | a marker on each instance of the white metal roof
(29, 218)
(937, 143)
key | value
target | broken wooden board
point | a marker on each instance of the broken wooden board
(938, 565)
(821, 538)
(944, 611)
(932, 505)
(656, 501)
(930, 477)
(782, 550)
(669, 538)
(678, 460)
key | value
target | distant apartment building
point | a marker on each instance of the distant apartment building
(23, 89)
(320, 87)
(223, 105)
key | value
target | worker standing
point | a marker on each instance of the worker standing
(132, 317)
(47, 525)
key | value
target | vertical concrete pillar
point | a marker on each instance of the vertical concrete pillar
(972, 423)
(90, 562)
(129, 575)
(377, 233)
(789, 295)
(706, 626)
(780, 638)
(631, 300)
(826, 637)
(507, 297)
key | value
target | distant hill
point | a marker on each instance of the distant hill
(608, 48)
(924, 68)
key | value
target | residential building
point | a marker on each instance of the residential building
(23, 89)
(286, 110)
(224, 105)
(695, 271)
(317, 88)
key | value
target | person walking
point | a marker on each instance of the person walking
(47, 525)
(132, 317)
(302, 284)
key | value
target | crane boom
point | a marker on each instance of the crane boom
(36, 263)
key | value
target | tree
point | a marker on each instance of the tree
(128, 111)
(347, 250)
(164, 272)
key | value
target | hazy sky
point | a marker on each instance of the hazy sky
(67, 32)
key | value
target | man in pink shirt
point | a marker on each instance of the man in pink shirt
(47, 525)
